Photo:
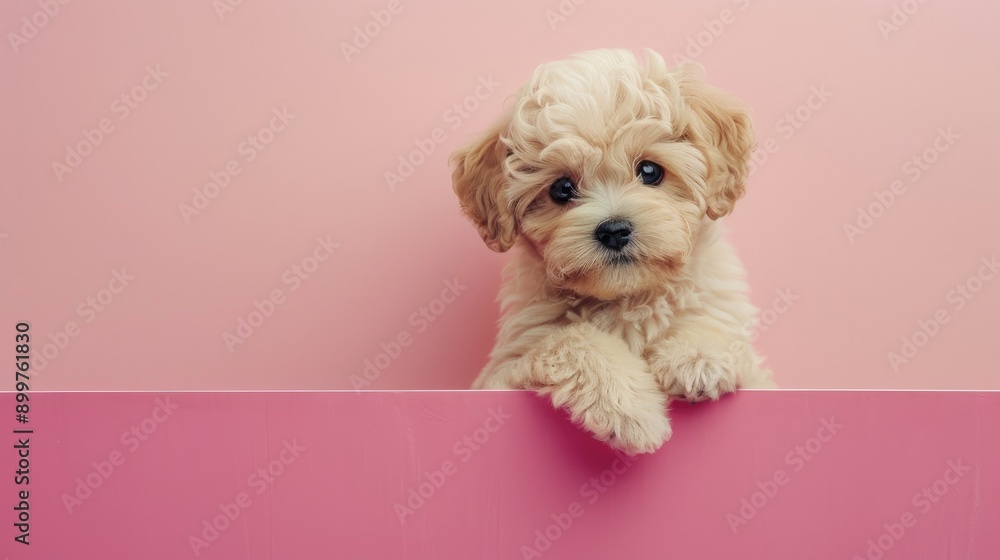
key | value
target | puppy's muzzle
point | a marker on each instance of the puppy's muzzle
(614, 234)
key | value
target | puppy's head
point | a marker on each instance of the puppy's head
(605, 167)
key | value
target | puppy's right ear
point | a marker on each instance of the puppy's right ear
(479, 179)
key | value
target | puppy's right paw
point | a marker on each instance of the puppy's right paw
(631, 427)
(605, 387)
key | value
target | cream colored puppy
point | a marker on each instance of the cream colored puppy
(609, 176)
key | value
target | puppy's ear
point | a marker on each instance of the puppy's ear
(479, 179)
(721, 127)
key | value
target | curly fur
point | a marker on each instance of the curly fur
(611, 341)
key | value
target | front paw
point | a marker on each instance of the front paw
(698, 372)
(606, 388)
(633, 427)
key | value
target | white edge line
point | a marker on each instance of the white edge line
(158, 391)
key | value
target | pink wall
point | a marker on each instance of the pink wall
(847, 105)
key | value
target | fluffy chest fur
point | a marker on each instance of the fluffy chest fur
(636, 321)
(528, 303)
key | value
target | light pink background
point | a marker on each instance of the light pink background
(789, 475)
(323, 176)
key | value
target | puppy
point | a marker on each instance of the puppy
(609, 176)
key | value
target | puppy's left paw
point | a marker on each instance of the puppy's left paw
(696, 373)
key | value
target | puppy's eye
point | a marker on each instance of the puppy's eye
(562, 190)
(649, 172)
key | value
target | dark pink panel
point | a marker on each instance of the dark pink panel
(467, 475)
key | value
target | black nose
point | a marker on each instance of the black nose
(614, 234)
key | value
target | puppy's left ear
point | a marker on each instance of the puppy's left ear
(721, 127)
(479, 179)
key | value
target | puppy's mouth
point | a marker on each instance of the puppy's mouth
(620, 259)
